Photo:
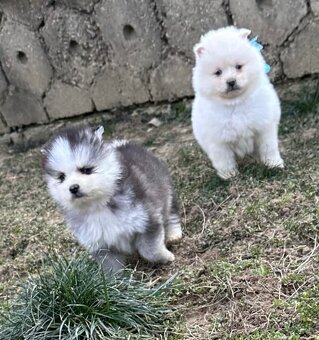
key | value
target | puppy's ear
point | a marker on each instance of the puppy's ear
(244, 33)
(199, 50)
(99, 132)
(44, 153)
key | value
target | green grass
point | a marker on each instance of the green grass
(306, 102)
(296, 110)
(179, 113)
(308, 310)
(76, 300)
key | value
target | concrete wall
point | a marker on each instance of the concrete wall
(63, 58)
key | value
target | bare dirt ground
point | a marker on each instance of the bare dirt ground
(248, 262)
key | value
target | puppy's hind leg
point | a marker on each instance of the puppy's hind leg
(173, 229)
(151, 246)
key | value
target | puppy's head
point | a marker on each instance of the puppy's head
(81, 170)
(227, 65)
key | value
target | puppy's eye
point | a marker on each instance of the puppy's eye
(218, 73)
(87, 170)
(61, 177)
(238, 67)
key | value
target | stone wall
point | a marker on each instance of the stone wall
(64, 58)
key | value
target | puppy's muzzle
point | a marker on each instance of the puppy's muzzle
(75, 191)
(231, 85)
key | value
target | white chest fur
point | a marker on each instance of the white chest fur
(236, 125)
(106, 228)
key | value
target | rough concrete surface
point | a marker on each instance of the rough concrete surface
(70, 57)
(64, 100)
(27, 12)
(81, 5)
(186, 20)
(23, 59)
(302, 56)
(171, 79)
(272, 20)
(131, 29)
(3, 85)
(75, 47)
(3, 128)
(22, 108)
(118, 86)
(314, 4)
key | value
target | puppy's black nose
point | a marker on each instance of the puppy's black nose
(74, 188)
(231, 83)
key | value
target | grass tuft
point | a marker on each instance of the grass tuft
(308, 309)
(308, 100)
(76, 300)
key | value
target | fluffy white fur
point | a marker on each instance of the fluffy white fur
(98, 187)
(94, 233)
(229, 122)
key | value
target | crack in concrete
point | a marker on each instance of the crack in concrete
(167, 48)
(93, 105)
(183, 56)
(45, 48)
(159, 19)
(148, 82)
(3, 120)
(229, 15)
(107, 58)
(303, 22)
(281, 67)
(5, 77)
(3, 20)
(5, 95)
(94, 7)
(308, 3)
(159, 15)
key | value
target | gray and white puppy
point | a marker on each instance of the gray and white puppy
(117, 197)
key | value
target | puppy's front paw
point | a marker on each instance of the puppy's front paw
(166, 256)
(274, 163)
(227, 173)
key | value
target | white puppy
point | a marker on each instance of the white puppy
(236, 110)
